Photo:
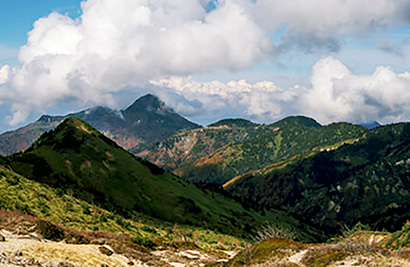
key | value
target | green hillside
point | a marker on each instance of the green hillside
(20, 196)
(80, 161)
(190, 145)
(18, 193)
(367, 181)
(290, 137)
(234, 123)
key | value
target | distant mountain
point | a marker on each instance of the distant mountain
(367, 181)
(78, 160)
(287, 138)
(20, 139)
(148, 119)
(190, 145)
(371, 125)
(234, 123)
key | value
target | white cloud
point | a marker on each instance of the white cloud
(337, 94)
(262, 101)
(4, 74)
(320, 23)
(116, 45)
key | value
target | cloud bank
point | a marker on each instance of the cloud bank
(121, 44)
(335, 94)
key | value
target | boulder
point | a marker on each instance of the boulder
(106, 250)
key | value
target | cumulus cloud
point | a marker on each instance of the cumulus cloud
(112, 46)
(337, 94)
(4, 74)
(115, 45)
(262, 101)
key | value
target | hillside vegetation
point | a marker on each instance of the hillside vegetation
(288, 138)
(366, 181)
(190, 145)
(80, 161)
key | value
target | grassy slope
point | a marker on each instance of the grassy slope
(20, 194)
(78, 159)
(292, 136)
(366, 181)
(190, 145)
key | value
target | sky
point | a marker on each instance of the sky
(340, 60)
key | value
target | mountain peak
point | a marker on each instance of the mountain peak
(233, 123)
(153, 119)
(48, 118)
(150, 103)
(371, 125)
(72, 122)
(69, 133)
(298, 120)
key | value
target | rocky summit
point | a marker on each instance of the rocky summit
(148, 119)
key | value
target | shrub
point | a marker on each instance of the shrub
(143, 241)
(50, 231)
(269, 230)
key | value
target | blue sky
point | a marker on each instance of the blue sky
(324, 60)
(18, 16)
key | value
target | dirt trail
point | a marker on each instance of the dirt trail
(31, 250)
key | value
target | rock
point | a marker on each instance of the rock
(106, 250)
(2, 238)
(65, 264)
(18, 253)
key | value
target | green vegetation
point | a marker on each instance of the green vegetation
(18, 193)
(189, 145)
(365, 181)
(234, 123)
(291, 137)
(266, 250)
(79, 161)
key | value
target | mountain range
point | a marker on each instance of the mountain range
(148, 119)
(366, 181)
(286, 165)
(82, 162)
(220, 186)
(228, 148)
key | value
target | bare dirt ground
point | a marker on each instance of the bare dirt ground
(32, 250)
